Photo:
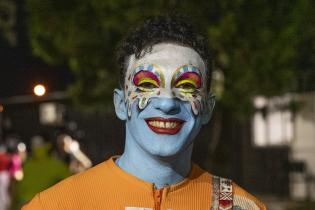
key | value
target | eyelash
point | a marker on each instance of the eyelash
(186, 86)
(146, 86)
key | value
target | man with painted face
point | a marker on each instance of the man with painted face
(164, 100)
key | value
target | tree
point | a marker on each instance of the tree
(257, 44)
(261, 47)
(8, 22)
(83, 35)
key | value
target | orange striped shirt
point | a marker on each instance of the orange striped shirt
(106, 186)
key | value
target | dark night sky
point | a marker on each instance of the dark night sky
(20, 70)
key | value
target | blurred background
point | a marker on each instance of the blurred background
(58, 73)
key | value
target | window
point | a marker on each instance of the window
(273, 121)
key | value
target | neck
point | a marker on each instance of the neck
(160, 171)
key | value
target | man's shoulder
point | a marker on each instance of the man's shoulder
(90, 176)
(226, 191)
(62, 194)
(59, 195)
(243, 200)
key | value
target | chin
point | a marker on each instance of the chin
(164, 152)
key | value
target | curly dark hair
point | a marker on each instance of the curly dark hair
(158, 29)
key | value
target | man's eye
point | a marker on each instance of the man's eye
(147, 85)
(186, 86)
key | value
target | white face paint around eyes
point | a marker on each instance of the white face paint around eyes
(160, 69)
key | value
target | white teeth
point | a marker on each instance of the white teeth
(160, 124)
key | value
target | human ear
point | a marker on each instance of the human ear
(207, 112)
(119, 103)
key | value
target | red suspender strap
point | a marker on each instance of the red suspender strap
(222, 194)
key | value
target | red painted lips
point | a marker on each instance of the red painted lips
(160, 125)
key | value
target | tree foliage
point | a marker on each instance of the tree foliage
(261, 46)
(8, 22)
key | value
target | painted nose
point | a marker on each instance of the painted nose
(167, 105)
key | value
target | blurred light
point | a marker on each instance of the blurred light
(21, 147)
(18, 175)
(39, 90)
(74, 146)
(217, 85)
(1, 108)
(260, 102)
(67, 140)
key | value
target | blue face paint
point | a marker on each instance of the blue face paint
(163, 110)
(160, 132)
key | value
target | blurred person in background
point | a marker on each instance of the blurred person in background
(69, 150)
(164, 100)
(41, 170)
(17, 154)
(11, 170)
(4, 178)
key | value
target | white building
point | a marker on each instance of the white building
(290, 121)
